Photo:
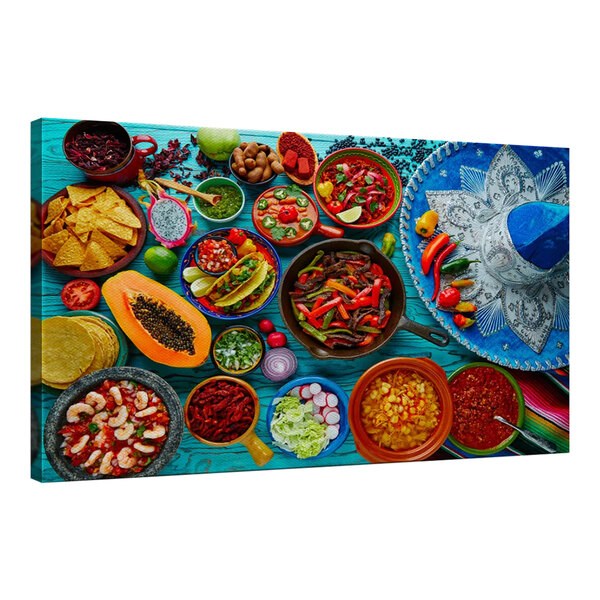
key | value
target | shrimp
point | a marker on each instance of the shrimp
(146, 412)
(115, 392)
(94, 456)
(80, 445)
(74, 412)
(124, 432)
(120, 418)
(141, 400)
(100, 438)
(98, 418)
(125, 458)
(106, 465)
(144, 448)
(156, 432)
(96, 400)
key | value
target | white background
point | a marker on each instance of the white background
(515, 72)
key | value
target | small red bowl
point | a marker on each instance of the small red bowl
(374, 158)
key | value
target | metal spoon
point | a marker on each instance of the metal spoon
(532, 437)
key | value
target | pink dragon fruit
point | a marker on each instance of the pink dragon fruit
(169, 218)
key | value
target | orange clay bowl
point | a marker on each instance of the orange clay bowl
(261, 454)
(369, 449)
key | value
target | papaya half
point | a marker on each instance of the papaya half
(161, 324)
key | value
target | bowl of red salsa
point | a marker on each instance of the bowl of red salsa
(480, 391)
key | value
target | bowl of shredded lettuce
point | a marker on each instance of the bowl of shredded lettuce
(293, 428)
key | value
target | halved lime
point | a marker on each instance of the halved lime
(351, 215)
(190, 274)
(201, 285)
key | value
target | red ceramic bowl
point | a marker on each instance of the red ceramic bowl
(372, 157)
(368, 448)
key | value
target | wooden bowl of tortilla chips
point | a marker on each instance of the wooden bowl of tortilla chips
(91, 230)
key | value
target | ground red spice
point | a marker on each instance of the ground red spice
(479, 394)
(292, 141)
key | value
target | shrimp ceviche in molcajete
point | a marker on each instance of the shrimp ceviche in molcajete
(115, 430)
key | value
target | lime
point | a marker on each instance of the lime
(201, 286)
(190, 274)
(161, 260)
(351, 215)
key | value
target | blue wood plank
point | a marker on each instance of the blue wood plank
(192, 456)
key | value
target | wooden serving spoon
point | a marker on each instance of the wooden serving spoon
(184, 189)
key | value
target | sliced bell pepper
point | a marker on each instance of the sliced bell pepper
(343, 312)
(376, 292)
(313, 331)
(336, 285)
(368, 339)
(359, 303)
(325, 308)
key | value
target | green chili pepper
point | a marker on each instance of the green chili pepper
(388, 246)
(318, 256)
(269, 222)
(302, 201)
(456, 266)
(262, 204)
(306, 224)
(280, 193)
(312, 331)
(328, 318)
(290, 232)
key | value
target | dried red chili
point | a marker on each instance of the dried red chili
(479, 394)
(220, 411)
(96, 151)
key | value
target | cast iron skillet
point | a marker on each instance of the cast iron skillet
(397, 320)
(57, 418)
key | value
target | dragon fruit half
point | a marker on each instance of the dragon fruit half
(170, 219)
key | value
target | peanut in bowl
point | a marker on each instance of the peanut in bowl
(400, 410)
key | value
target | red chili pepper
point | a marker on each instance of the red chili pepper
(335, 207)
(376, 291)
(462, 322)
(288, 214)
(449, 297)
(436, 244)
(438, 265)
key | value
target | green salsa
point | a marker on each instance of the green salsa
(230, 203)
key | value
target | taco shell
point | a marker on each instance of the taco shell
(216, 295)
(246, 288)
(262, 295)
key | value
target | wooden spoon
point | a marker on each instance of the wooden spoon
(184, 189)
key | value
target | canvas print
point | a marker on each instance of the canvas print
(208, 300)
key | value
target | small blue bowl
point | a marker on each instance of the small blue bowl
(328, 386)
(189, 260)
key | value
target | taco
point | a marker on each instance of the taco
(258, 297)
(237, 277)
(247, 288)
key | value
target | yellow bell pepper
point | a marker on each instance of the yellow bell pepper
(426, 224)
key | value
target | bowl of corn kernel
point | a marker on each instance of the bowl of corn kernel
(400, 410)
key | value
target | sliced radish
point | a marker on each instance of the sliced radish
(305, 392)
(318, 418)
(315, 409)
(320, 399)
(332, 417)
(315, 388)
(295, 391)
(332, 400)
(332, 431)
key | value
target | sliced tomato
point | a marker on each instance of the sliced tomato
(80, 294)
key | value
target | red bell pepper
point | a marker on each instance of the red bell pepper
(359, 303)
(368, 339)
(325, 307)
(343, 312)
(376, 292)
(338, 324)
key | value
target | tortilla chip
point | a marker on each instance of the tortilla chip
(67, 349)
(109, 226)
(56, 208)
(71, 253)
(55, 242)
(86, 219)
(79, 195)
(124, 215)
(112, 196)
(134, 237)
(55, 227)
(113, 249)
(95, 258)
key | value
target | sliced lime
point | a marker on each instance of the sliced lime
(201, 286)
(351, 215)
(190, 274)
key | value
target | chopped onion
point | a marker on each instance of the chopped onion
(279, 364)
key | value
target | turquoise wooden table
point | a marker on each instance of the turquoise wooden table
(192, 456)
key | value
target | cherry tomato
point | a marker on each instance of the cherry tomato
(266, 326)
(276, 339)
(288, 214)
(80, 294)
(335, 207)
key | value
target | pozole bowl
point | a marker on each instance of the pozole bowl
(57, 418)
(369, 448)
